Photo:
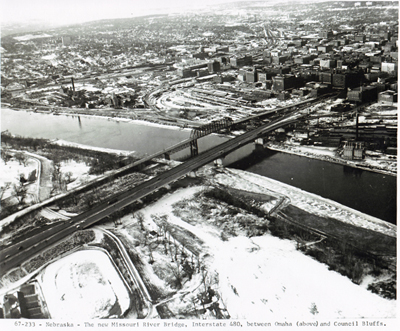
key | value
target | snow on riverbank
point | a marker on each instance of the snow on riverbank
(84, 285)
(266, 276)
(62, 142)
(307, 201)
(378, 163)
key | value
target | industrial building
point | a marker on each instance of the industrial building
(353, 150)
(387, 97)
(242, 61)
(286, 82)
(363, 94)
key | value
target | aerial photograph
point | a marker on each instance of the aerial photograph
(199, 164)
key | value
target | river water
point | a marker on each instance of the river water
(100, 132)
(368, 192)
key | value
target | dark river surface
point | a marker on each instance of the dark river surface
(368, 192)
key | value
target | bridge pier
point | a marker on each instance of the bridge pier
(194, 148)
(167, 156)
(259, 141)
(219, 162)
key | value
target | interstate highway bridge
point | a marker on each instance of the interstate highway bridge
(16, 254)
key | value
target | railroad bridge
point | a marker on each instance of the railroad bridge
(199, 132)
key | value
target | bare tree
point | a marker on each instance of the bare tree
(20, 193)
(21, 158)
(177, 272)
(5, 154)
(140, 217)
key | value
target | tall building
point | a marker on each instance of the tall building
(326, 34)
(214, 67)
(286, 82)
(251, 76)
(237, 62)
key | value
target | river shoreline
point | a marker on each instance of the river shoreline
(279, 148)
(327, 158)
(76, 113)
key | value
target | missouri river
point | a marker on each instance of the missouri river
(368, 192)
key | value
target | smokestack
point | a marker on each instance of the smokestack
(357, 126)
(73, 85)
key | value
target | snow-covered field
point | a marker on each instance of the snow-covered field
(84, 285)
(10, 173)
(266, 276)
(79, 173)
(272, 279)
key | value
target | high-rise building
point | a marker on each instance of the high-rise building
(326, 34)
(286, 82)
(237, 62)
(251, 76)
(214, 67)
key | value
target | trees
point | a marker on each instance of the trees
(20, 192)
(5, 154)
(32, 176)
(21, 158)
(140, 217)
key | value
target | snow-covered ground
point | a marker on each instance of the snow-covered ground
(266, 276)
(79, 173)
(11, 172)
(84, 285)
(32, 36)
(272, 279)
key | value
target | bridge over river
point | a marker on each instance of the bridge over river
(14, 255)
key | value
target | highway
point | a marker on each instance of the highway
(16, 254)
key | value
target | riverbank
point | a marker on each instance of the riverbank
(313, 203)
(62, 142)
(384, 166)
(140, 116)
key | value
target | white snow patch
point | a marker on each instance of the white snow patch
(83, 285)
(272, 279)
(100, 149)
(10, 173)
(266, 276)
(32, 36)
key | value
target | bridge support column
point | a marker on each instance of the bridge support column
(259, 141)
(219, 162)
(194, 149)
(167, 156)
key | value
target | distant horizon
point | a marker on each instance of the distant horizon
(54, 13)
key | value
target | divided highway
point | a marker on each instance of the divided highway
(14, 255)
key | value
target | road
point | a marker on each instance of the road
(14, 255)
(134, 274)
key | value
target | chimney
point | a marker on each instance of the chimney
(357, 126)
